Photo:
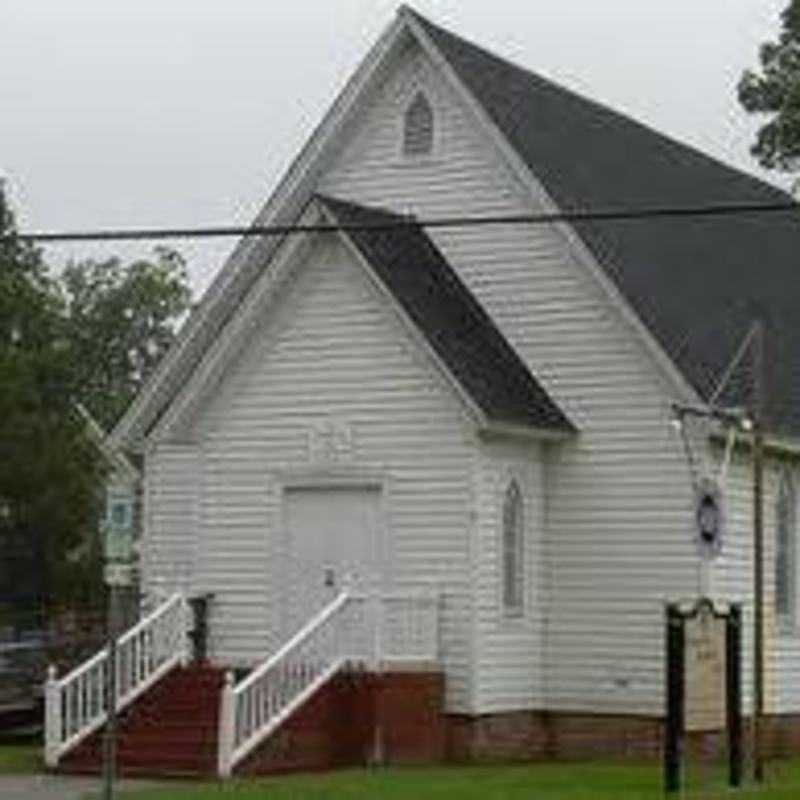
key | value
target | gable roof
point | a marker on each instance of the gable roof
(697, 283)
(452, 321)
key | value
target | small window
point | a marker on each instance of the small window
(785, 549)
(418, 127)
(513, 551)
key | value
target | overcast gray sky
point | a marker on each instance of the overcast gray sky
(128, 113)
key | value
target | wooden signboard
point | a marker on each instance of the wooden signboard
(705, 672)
(703, 683)
(118, 526)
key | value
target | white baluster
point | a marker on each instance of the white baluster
(67, 709)
(227, 724)
(52, 694)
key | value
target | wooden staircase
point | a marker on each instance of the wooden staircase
(171, 730)
(310, 705)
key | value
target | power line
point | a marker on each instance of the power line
(609, 215)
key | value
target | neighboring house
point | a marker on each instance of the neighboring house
(478, 414)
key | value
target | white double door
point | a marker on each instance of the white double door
(334, 539)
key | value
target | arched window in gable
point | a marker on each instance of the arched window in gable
(785, 550)
(418, 127)
(513, 551)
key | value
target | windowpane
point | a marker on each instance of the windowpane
(513, 527)
(418, 129)
(785, 550)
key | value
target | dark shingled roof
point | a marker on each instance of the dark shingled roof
(461, 333)
(697, 283)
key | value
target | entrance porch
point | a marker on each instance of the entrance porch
(359, 682)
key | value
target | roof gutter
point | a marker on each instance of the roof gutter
(489, 430)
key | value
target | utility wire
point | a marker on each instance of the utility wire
(609, 215)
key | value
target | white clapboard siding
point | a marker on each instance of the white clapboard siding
(616, 544)
(509, 651)
(733, 578)
(171, 518)
(333, 349)
(786, 644)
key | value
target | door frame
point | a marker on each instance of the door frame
(332, 478)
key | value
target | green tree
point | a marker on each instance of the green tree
(50, 472)
(122, 320)
(92, 337)
(774, 91)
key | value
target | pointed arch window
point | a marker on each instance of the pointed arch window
(513, 551)
(785, 550)
(418, 127)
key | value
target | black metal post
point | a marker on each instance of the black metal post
(733, 642)
(758, 548)
(199, 633)
(673, 727)
(110, 737)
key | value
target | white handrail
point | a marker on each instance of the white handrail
(351, 628)
(147, 622)
(101, 655)
(76, 705)
(86, 666)
(304, 633)
(253, 709)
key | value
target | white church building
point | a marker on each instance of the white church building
(448, 449)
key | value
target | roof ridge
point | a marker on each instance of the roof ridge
(486, 51)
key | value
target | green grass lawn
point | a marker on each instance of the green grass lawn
(533, 782)
(20, 757)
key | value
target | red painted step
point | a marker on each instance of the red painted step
(170, 730)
